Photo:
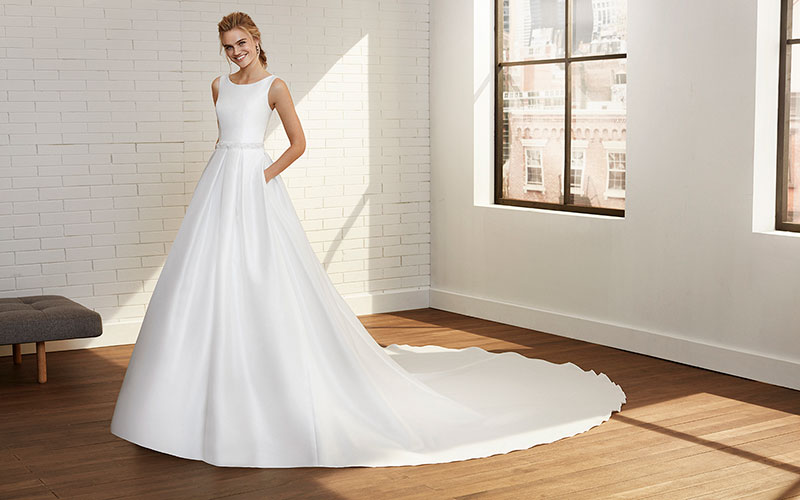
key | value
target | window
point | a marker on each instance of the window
(616, 174)
(534, 176)
(787, 199)
(576, 171)
(561, 81)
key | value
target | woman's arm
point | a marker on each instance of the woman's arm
(214, 95)
(280, 99)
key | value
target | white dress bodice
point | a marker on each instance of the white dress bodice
(239, 120)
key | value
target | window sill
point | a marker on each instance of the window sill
(791, 234)
(547, 212)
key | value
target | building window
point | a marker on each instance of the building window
(534, 175)
(561, 78)
(576, 171)
(616, 174)
(787, 206)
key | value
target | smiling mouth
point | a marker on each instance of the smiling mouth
(240, 58)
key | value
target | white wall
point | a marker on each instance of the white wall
(107, 121)
(693, 272)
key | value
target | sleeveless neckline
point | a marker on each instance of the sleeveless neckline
(228, 76)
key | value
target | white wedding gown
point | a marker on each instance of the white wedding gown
(249, 357)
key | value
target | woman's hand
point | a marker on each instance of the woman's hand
(268, 175)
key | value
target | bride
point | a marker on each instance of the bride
(248, 356)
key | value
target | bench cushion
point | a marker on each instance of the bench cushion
(38, 318)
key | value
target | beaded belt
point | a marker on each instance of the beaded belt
(230, 144)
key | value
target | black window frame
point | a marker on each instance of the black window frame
(784, 128)
(501, 133)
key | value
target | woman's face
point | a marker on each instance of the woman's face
(239, 47)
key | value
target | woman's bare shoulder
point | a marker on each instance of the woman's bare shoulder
(215, 88)
(278, 91)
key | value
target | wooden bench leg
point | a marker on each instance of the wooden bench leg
(17, 350)
(41, 362)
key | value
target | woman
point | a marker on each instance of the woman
(248, 356)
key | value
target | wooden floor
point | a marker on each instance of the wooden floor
(684, 433)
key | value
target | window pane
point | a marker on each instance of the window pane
(794, 19)
(533, 132)
(599, 27)
(533, 29)
(792, 208)
(598, 133)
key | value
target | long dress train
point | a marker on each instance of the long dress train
(249, 357)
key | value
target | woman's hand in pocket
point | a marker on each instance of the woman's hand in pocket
(267, 175)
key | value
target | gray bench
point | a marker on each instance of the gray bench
(39, 318)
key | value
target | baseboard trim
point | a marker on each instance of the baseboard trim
(126, 332)
(117, 333)
(750, 365)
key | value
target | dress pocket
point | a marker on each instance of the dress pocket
(263, 179)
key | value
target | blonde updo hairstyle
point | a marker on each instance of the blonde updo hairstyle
(243, 21)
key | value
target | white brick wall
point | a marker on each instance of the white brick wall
(107, 121)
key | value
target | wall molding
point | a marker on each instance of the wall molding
(751, 365)
(754, 366)
(126, 332)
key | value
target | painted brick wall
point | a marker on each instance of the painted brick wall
(107, 121)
